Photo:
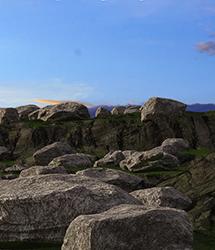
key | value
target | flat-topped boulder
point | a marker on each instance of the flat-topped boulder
(26, 110)
(8, 116)
(64, 112)
(40, 208)
(163, 197)
(45, 155)
(118, 110)
(102, 112)
(73, 162)
(115, 177)
(130, 227)
(157, 107)
(42, 170)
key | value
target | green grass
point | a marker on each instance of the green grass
(36, 124)
(200, 152)
(204, 241)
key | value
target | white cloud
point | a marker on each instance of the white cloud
(14, 94)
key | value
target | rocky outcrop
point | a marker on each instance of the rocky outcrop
(41, 208)
(8, 116)
(17, 168)
(4, 153)
(25, 111)
(102, 113)
(129, 227)
(175, 146)
(115, 177)
(163, 197)
(42, 170)
(161, 107)
(118, 110)
(132, 109)
(73, 162)
(64, 112)
(45, 155)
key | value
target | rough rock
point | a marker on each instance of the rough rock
(110, 159)
(163, 197)
(132, 109)
(119, 110)
(42, 170)
(25, 111)
(130, 227)
(174, 146)
(45, 155)
(15, 168)
(8, 116)
(4, 153)
(102, 113)
(158, 107)
(64, 112)
(115, 177)
(41, 208)
(73, 162)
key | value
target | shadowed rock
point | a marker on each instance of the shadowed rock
(115, 177)
(4, 153)
(102, 113)
(130, 227)
(25, 111)
(110, 159)
(8, 116)
(45, 155)
(163, 197)
(41, 208)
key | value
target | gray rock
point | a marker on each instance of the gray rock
(42, 170)
(110, 159)
(15, 168)
(34, 115)
(102, 113)
(4, 153)
(158, 107)
(119, 110)
(174, 146)
(41, 208)
(132, 109)
(45, 155)
(73, 162)
(64, 112)
(25, 111)
(130, 227)
(163, 197)
(8, 116)
(115, 177)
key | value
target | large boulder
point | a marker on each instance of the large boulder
(73, 162)
(8, 116)
(157, 107)
(113, 158)
(163, 197)
(26, 110)
(102, 113)
(175, 146)
(64, 112)
(132, 109)
(118, 110)
(130, 227)
(41, 208)
(4, 153)
(42, 170)
(115, 177)
(45, 155)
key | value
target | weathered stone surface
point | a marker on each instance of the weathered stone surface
(163, 197)
(110, 159)
(25, 111)
(158, 107)
(115, 177)
(46, 154)
(41, 208)
(15, 168)
(130, 227)
(119, 110)
(102, 113)
(73, 162)
(174, 146)
(8, 116)
(64, 112)
(43, 170)
(4, 153)
(34, 115)
(132, 109)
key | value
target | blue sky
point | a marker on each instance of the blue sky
(107, 52)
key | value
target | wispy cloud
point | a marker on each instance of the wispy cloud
(13, 94)
(207, 47)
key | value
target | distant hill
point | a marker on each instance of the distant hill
(193, 108)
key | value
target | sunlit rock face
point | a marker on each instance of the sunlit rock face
(40, 208)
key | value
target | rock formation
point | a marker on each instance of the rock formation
(8, 116)
(102, 113)
(25, 111)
